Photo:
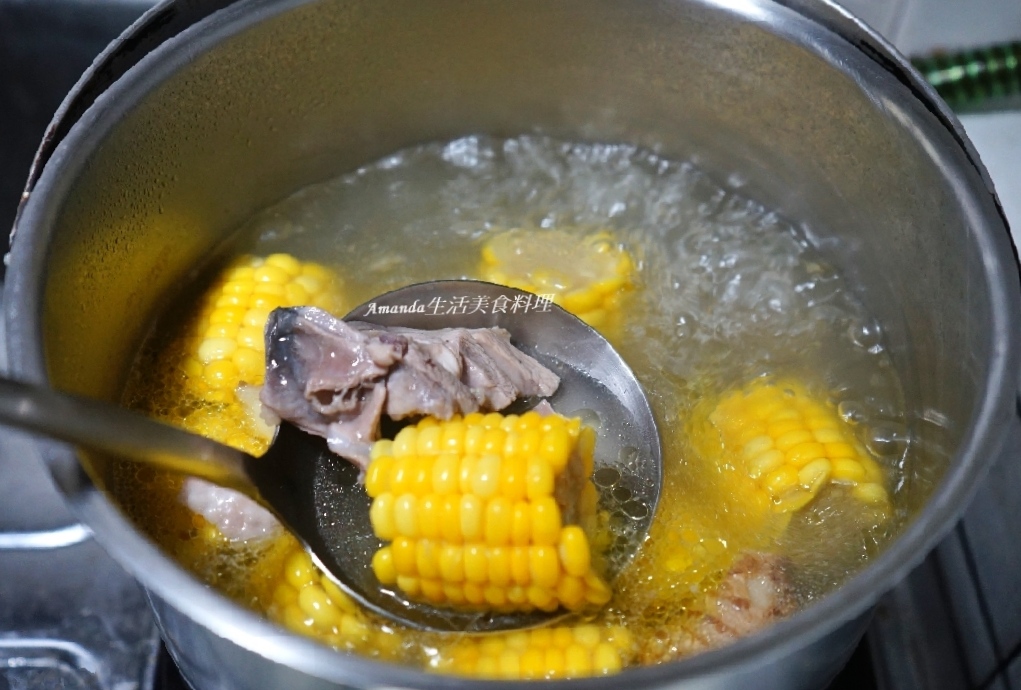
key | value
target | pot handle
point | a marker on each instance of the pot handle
(38, 518)
(44, 539)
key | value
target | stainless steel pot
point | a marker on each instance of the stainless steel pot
(178, 134)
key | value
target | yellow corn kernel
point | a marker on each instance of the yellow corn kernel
(355, 629)
(498, 521)
(427, 560)
(544, 566)
(765, 463)
(454, 593)
(873, 473)
(870, 493)
(272, 293)
(816, 473)
(597, 592)
(495, 597)
(847, 471)
(251, 364)
(485, 476)
(298, 570)
(430, 509)
(408, 476)
(445, 472)
(577, 662)
(513, 476)
(410, 585)
(377, 477)
(509, 665)
(474, 593)
(572, 592)
(427, 440)
(756, 447)
(781, 479)
(793, 500)
(840, 449)
(221, 374)
(383, 566)
(521, 523)
(606, 659)
(405, 515)
(287, 263)
(296, 619)
(266, 296)
(521, 568)
(546, 521)
(785, 442)
(476, 563)
(450, 520)
(284, 594)
(318, 607)
(487, 667)
(499, 566)
(539, 480)
(575, 555)
(472, 518)
(465, 473)
(451, 563)
(405, 442)
(804, 453)
(341, 600)
(230, 315)
(555, 447)
(405, 556)
(828, 434)
(381, 516)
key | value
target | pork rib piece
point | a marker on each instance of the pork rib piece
(754, 593)
(336, 379)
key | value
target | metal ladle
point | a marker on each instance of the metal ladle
(315, 493)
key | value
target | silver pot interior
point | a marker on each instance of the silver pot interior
(241, 111)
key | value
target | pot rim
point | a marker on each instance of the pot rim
(185, 593)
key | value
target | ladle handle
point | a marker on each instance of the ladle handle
(108, 428)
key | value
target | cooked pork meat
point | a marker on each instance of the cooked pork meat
(236, 516)
(336, 379)
(459, 370)
(754, 593)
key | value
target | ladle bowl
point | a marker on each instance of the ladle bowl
(317, 495)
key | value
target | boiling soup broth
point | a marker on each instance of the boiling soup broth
(780, 414)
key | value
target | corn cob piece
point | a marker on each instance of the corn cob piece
(224, 343)
(694, 542)
(543, 653)
(308, 602)
(793, 445)
(488, 512)
(219, 348)
(586, 275)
